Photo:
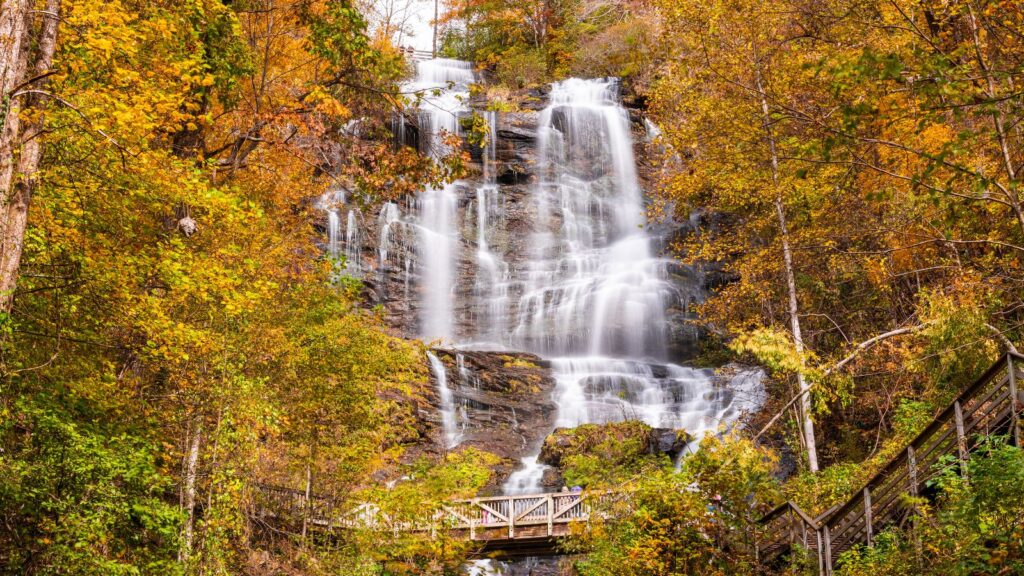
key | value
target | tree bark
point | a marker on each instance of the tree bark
(436, 15)
(188, 492)
(807, 424)
(14, 44)
(16, 203)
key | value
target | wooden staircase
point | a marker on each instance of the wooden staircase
(992, 406)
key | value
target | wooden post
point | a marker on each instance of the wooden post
(867, 515)
(792, 527)
(821, 552)
(1014, 401)
(551, 514)
(511, 518)
(912, 473)
(961, 438)
(912, 470)
(826, 550)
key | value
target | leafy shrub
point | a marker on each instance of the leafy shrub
(522, 68)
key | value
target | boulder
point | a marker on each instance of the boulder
(616, 442)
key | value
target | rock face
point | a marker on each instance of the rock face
(503, 403)
(386, 245)
(516, 149)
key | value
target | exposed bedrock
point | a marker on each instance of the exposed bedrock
(502, 403)
(388, 240)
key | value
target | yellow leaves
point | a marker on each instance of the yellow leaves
(326, 103)
(773, 348)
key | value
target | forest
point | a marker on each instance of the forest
(710, 257)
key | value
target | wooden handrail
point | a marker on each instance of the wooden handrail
(548, 509)
(975, 410)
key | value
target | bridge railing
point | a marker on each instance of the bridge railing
(521, 511)
(477, 516)
(991, 406)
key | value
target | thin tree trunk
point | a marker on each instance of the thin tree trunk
(436, 15)
(14, 44)
(998, 119)
(188, 498)
(807, 423)
(17, 203)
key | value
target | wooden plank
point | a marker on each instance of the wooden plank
(500, 516)
(521, 515)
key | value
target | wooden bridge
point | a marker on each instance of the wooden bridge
(991, 406)
(509, 525)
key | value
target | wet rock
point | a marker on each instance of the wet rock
(668, 441)
(516, 147)
(614, 442)
(504, 403)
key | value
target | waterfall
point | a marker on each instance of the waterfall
(353, 247)
(388, 218)
(329, 203)
(333, 232)
(595, 292)
(583, 285)
(444, 87)
(449, 415)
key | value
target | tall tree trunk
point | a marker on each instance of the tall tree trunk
(807, 424)
(17, 202)
(188, 492)
(998, 119)
(436, 15)
(14, 46)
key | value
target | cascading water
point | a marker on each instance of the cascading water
(582, 285)
(594, 293)
(353, 244)
(449, 416)
(330, 203)
(444, 88)
(490, 289)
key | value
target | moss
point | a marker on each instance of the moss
(514, 362)
(602, 454)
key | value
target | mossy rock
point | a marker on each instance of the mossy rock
(614, 442)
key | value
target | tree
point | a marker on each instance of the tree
(26, 56)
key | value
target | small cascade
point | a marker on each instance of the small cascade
(387, 220)
(444, 88)
(353, 245)
(330, 203)
(449, 414)
(466, 376)
(527, 479)
(333, 233)
(652, 130)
